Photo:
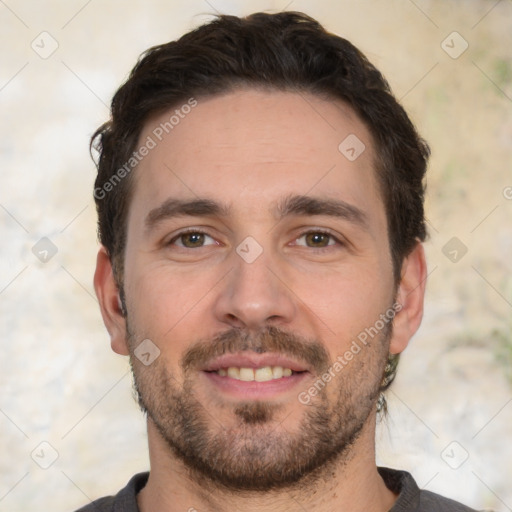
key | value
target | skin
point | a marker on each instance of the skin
(249, 150)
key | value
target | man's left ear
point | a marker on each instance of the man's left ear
(410, 295)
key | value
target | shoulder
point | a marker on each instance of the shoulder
(124, 501)
(101, 505)
(435, 502)
(412, 499)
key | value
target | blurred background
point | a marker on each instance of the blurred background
(70, 429)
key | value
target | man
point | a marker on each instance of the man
(260, 200)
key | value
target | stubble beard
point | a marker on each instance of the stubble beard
(256, 452)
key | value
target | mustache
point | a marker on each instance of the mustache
(270, 339)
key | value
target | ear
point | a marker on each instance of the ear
(410, 295)
(110, 304)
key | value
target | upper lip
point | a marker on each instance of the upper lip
(253, 360)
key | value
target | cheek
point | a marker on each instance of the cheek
(167, 305)
(348, 296)
(347, 309)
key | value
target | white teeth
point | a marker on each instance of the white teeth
(246, 374)
(277, 372)
(234, 373)
(263, 374)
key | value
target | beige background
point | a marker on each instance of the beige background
(59, 381)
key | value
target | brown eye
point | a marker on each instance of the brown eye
(316, 239)
(192, 240)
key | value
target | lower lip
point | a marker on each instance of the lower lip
(254, 389)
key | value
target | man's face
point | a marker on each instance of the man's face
(256, 247)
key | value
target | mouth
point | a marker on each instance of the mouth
(263, 374)
(254, 375)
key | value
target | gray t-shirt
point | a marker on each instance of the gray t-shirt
(410, 497)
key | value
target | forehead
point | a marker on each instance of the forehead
(249, 148)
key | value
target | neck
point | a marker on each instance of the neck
(351, 484)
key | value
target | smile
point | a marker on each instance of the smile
(262, 374)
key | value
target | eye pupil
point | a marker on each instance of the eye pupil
(193, 239)
(317, 239)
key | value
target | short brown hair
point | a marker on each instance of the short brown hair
(284, 51)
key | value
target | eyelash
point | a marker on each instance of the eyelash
(314, 231)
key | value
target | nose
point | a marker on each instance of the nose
(255, 295)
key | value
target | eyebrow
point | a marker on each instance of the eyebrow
(181, 208)
(298, 205)
(307, 205)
